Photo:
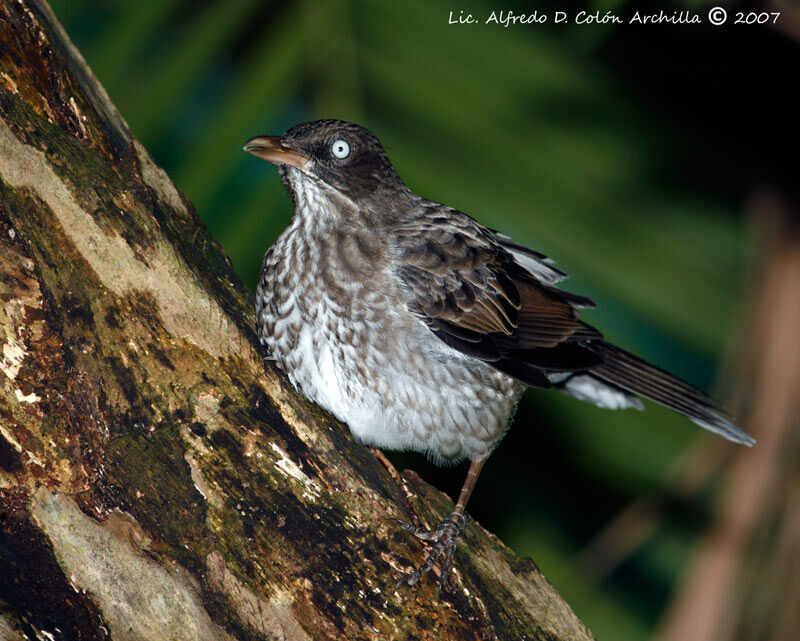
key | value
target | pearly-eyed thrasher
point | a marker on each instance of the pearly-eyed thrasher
(418, 326)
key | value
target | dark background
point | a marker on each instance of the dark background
(629, 153)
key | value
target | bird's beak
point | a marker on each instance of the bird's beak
(270, 148)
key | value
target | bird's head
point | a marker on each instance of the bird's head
(342, 156)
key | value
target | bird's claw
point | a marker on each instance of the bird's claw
(444, 540)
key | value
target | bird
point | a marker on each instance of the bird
(419, 327)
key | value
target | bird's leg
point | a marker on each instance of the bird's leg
(445, 536)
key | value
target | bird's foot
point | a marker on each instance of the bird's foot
(444, 540)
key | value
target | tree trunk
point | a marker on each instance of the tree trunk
(158, 479)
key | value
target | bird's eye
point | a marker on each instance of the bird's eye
(340, 149)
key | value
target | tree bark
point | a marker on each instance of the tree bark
(158, 479)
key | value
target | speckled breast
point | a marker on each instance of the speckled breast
(332, 315)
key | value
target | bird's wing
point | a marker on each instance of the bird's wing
(494, 300)
(533, 261)
(476, 296)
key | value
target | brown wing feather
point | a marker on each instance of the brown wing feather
(545, 319)
(474, 295)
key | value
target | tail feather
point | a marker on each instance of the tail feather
(631, 373)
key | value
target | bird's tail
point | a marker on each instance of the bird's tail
(632, 374)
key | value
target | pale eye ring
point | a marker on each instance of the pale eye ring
(340, 149)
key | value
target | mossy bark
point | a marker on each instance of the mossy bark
(158, 478)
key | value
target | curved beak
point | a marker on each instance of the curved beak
(270, 148)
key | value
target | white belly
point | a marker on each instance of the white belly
(423, 396)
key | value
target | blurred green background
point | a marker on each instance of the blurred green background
(626, 152)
